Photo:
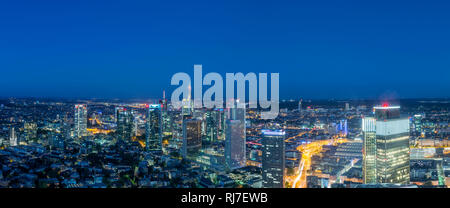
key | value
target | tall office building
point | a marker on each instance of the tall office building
(192, 138)
(392, 132)
(300, 105)
(80, 120)
(237, 114)
(12, 137)
(273, 158)
(235, 147)
(391, 146)
(417, 124)
(369, 150)
(212, 126)
(153, 128)
(125, 123)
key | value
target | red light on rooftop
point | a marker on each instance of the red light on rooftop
(385, 105)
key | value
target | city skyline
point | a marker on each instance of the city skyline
(345, 50)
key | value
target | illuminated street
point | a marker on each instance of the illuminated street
(309, 150)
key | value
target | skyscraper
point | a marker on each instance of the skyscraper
(273, 158)
(300, 105)
(192, 138)
(125, 123)
(392, 132)
(153, 128)
(369, 150)
(80, 120)
(212, 125)
(235, 147)
(391, 146)
(12, 137)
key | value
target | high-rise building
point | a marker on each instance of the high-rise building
(238, 114)
(300, 105)
(192, 138)
(342, 127)
(391, 146)
(417, 124)
(153, 128)
(235, 147)
(212, 126)
(392, 132)
(273, 158)
(125, 123)
(12, 137)
(80, 120)
(369, 150)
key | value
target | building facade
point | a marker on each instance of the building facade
(80, 128)
(273, 158)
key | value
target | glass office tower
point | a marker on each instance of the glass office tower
(369, 150)
(192, 138)
(392, 144)
(153, 128)
(235, 146)
(125, 123)
(80, 128)
(273, 161)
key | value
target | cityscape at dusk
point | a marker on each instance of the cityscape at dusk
(224, 94)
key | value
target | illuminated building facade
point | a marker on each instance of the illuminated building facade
(392, 141)
(369, 150)
(12, 137)
(154, 128)
(386, 146)
(273, 158)
(235, 147)
(212, 126)
(192, 138)
(125, 123)
(80, 120)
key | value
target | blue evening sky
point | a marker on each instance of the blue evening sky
(131, 49)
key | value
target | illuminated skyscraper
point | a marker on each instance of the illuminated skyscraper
(80, 120)
(369, 150)
(392, 132)
(125, 123)
(391, 146)
(273, 158)
(212, 125)
(342, 128)
(235, 155)
(300, 105)
(153, 128)
(12, 137)
(192, 138)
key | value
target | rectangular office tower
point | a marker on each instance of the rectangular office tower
(392, 132)
(80, 128)
(125, 123)
(391, 146)
(369, 150)
(273, 161)
(153, 128)
(192, 138)
(235, 155)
